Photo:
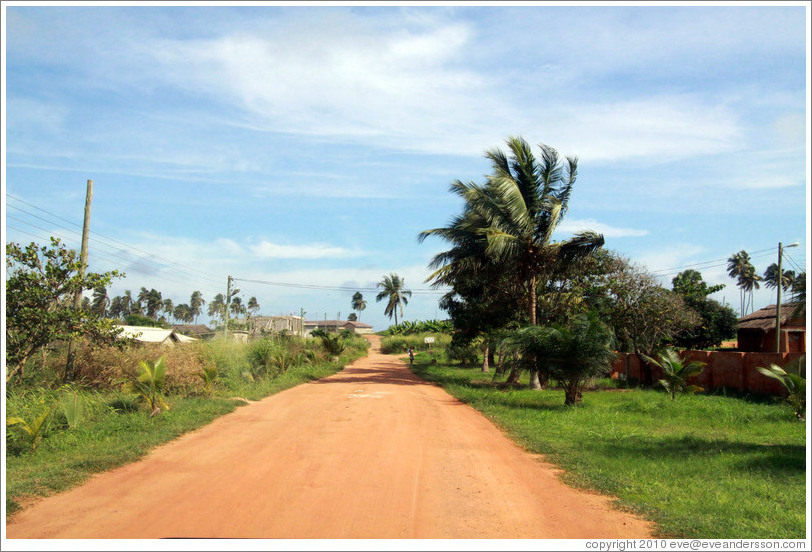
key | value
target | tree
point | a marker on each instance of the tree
(116, 309)
(358, 303)
(740, 268)
(771, 277)
(676, 372)
(253, 306)
(183, 312)
(41, 285)
(717, 323)
(795, 384)
(512, 218)
(217, 307)
(195, 303)
(645, 316)
(352, 317)
(799, 296)
(168, 307)
(573, 353)
(127, 303)
(236, 307)
(393, 290)
(100, 301)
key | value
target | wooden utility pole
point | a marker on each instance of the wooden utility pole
(77, 298)
(228, 303)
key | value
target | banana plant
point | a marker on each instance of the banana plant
(35, 429)
(149, 384)
(73, 407)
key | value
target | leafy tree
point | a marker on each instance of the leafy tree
(195, 303)
(183, 312)
(717, 323)
(352, 317)
(358, 303)
(41, 285)
(573, 353)
(392, 289)
(676, 372)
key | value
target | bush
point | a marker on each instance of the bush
(400, 343)
(467, 355)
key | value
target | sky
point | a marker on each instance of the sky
(301, 148)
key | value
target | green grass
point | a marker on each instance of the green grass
(116, 429)
(702, 466)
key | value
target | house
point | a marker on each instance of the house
(355, 327)
(756, 331)
(148, 334)
(263, 325)
(198, 331)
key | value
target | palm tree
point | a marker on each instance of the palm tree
(154, 303)
(511, 219)
(676, 372)
(116, 309)
(740, 268)
(573, 353)
(100, 301)
(393, 290)
(142, 300)
(195, 303)
(358, 303)
(236, 307)
(253, 306)
(217, 307)
(168, 307)
(749, 281)
(771, 277)
(127, 302)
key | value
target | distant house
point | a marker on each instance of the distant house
(264, 325)
(355, 327)
(148, 334)
(756, 331)
(198, 331)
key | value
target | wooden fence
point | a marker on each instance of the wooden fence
(731, 370)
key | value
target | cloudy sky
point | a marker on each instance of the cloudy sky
(308, 146)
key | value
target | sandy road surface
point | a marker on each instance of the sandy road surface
(371, 452)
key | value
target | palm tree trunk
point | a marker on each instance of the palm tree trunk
(534, 373)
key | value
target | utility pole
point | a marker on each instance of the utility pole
(778, 297)
(77, 299)
(301, 322)
(228, 302)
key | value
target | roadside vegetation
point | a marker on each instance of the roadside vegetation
(704, 466)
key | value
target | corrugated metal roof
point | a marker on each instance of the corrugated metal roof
(147, 334)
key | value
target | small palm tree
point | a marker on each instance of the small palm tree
(795, 384)
(676, 372)
(195, 303)
(572, 353)
(253, 306)
(771, 277)
(393, 290)
(149, 383)
(358, 303)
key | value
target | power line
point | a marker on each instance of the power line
(332, 288)
(706, 264)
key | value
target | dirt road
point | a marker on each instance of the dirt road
(371, 452)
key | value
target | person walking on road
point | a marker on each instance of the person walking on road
(411, 356)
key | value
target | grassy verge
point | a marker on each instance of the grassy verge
(115, 429)
(703, 466)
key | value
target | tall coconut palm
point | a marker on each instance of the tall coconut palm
(253, 306)
(511, 219)
(393, 290)
(236, 307)
(196, 303)
(217, 307)
(127, 303)
(100, 301)
(358, 303)
(169, 308)
(749, 281)
(740, 268)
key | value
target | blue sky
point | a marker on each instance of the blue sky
(310, 145)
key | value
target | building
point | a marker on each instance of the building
(756, 331)
(198, 331)
(259, 326)
(148, 334)
(355, 327)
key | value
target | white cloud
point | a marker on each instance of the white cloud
(269, 250)
(572, 226)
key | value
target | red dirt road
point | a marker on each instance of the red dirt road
(370, 452)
